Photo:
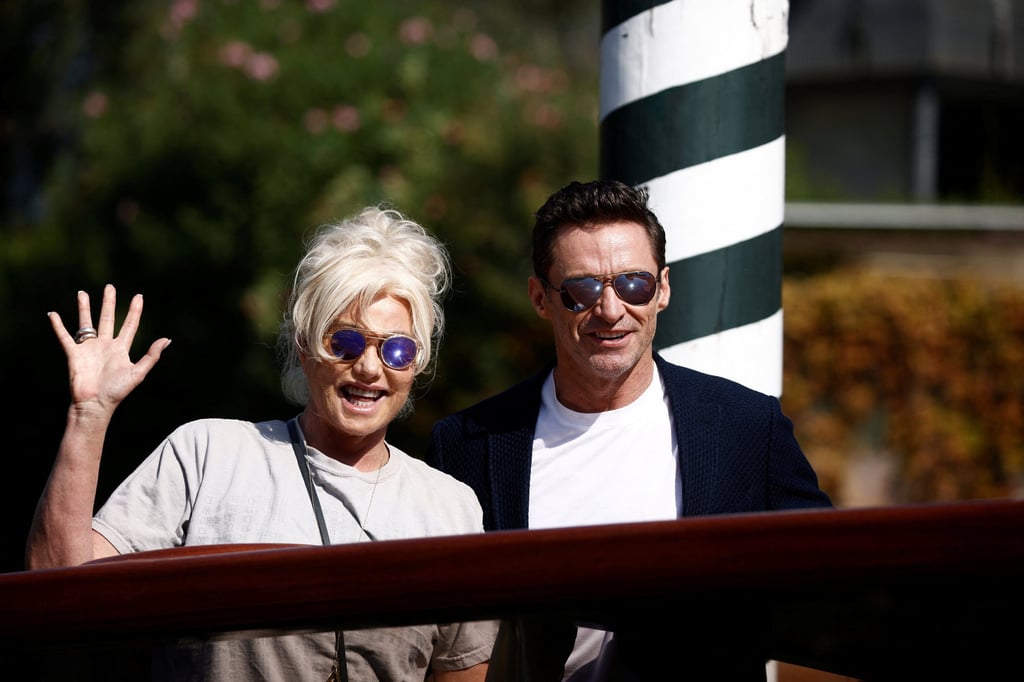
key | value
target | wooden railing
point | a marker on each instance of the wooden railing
(869, 593)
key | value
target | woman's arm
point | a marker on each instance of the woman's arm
(101, 375)
(476, 673)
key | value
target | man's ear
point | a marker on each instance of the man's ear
(664, 290)
(539, 297)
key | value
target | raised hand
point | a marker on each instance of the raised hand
(100, 369)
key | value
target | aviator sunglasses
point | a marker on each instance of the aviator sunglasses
(396, 351)
(583, 293)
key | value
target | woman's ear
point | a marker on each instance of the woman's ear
(304, 357)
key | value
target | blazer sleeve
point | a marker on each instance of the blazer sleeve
(489, 447)
(738, 452)
(791, 481)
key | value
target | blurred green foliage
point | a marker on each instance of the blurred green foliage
(185, 148)
(193, 145)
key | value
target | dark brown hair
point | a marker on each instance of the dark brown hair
(592, 204)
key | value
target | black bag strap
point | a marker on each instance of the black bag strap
(300, 455)
(340, 672)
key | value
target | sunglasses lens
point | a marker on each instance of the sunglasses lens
(398, 352)
(347, 344)
(635, 288)
(581, 294)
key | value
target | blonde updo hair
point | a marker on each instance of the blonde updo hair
(377, 252)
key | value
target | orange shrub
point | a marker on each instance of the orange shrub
(926, 373)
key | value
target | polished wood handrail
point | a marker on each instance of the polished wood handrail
(197, 551)
(833, 583)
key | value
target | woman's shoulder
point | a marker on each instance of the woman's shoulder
(220, 429)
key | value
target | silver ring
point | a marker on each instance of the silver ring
(84, 334)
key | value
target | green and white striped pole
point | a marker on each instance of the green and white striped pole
(692, 106)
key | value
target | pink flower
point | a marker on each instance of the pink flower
(544, 116)
(183, 10)
(180, 13)
(235, 54)
(320, 6)
(95, 104)
(415, 30)
(345, 118)
(530, 78)
(261, 66)
(483, 48)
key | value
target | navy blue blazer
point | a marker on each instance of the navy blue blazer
(737, 453)
(737, 449)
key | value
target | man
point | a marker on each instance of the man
(613, 433)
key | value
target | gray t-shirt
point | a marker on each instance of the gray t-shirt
(217, 481)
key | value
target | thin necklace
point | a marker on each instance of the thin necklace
(301, 454)
(373, 491)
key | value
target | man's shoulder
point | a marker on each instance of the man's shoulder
(516, 404)
(696, 383)
(673, 374)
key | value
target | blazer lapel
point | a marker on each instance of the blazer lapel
(697, 427)
(510, 454)
(698, 452)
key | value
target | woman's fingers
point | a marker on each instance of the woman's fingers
(131, 320)
(63, 336)
(85, 329)
(107, 311)
(105, 326)
(147, 361)
(84, 310)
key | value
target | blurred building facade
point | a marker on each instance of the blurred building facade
(904, 133)
(896, 100)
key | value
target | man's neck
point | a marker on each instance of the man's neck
(599, 394)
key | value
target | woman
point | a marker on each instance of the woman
(362, 316)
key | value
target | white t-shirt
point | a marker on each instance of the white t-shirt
(619, 466)
(216, 481)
